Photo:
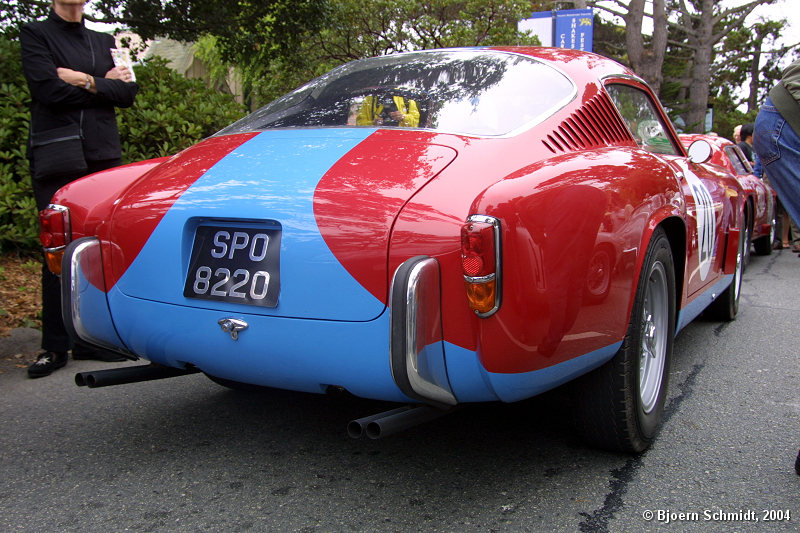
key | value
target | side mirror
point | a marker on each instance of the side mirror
(699, 151)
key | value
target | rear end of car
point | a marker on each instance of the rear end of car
(304, 249)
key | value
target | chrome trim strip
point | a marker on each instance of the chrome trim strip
(480, 279)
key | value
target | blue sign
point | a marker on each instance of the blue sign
(574, 29)
(571, 28)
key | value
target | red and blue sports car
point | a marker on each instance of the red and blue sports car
(433, 228)
(759, 198)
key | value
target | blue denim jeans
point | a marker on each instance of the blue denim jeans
(778, 147)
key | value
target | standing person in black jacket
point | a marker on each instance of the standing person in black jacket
(74, 89)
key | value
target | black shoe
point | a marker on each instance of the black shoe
(46, 363)
(797, 464)
(80, 353)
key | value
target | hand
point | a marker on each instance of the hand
(119, 73)
(397, 115)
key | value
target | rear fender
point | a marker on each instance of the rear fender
(553, 216)
(92, 198)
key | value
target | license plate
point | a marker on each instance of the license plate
(237, 265)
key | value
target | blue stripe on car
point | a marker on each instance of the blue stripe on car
(273, 176)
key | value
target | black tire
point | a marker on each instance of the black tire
(763, 245)
(620, 405)
(748, 242)
(726, 306)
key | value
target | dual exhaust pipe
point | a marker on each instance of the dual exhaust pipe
(373, 427)
(129, 374)
(390, 422)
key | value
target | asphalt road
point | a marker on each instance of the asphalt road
(188, 455)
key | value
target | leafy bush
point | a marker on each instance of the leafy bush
(170, 114)
(18, 227)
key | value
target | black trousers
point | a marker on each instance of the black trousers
(54, 335)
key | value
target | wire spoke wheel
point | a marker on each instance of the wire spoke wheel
(655, 323)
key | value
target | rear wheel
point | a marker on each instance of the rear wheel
(620, 405)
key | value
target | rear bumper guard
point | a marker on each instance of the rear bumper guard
(417, 348)
(84, 307)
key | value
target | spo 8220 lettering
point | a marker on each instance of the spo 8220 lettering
(257, 288)
(256, 246)
(236, 265)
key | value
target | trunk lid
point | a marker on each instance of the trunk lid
(322, 201)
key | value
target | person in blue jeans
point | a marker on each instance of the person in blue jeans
(776, 139)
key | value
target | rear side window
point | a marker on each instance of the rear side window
(642, 118)
(473, 92)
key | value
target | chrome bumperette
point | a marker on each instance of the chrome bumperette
(85, 308)
(417, 349)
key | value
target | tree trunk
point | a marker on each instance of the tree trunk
(699, 30)
(647, 61)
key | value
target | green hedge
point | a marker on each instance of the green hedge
(17, 207)
(170, 114)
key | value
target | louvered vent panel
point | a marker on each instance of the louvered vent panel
(595, 124)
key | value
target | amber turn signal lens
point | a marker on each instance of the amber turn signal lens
(53, 259)
(482, 296)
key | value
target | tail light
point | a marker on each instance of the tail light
(480, 261)
(55, 235)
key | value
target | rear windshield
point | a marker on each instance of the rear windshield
(470, 92)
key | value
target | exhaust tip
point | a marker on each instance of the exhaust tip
(355, 429)
(85, 379)
(373, 430)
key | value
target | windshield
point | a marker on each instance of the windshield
(472, 92)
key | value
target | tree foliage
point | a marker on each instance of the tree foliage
(699, 52)
(17, 207)
(279, 44)
(344, 30)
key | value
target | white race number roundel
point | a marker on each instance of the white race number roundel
(706, 231)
